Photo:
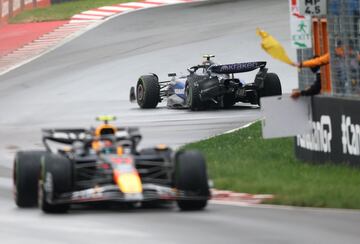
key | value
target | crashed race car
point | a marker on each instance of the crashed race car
(103, 164)
(207, 85)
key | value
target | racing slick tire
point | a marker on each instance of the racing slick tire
(272, 86)
(192, 92)
(26, 172)
(56, 178)
(148, 91)
(191, 178)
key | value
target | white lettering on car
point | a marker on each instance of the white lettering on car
(87, 194)
(179, 91)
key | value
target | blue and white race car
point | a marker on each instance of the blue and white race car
(207, 85)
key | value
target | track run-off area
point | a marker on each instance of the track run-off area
(92, 75)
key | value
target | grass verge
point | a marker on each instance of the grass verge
(244, 162)
(61, 11)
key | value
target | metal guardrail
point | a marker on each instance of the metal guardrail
(344, 41)
(343, 27)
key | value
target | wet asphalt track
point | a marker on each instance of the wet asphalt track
(92, 74)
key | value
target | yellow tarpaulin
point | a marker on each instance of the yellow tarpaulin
(273, 47)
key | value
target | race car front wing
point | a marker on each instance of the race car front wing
(112, 193)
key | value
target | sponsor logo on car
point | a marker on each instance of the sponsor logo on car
(179, 91)
(92, 193)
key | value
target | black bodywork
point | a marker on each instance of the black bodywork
(104, 164)
(92, 172)
(218, 81)
(207, 85)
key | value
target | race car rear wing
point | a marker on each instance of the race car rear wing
(65, 136)
(237, 67)
(69, 136)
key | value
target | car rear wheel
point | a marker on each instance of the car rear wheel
(192, 92)
(191, 179)
(272, 85)
(148, 91)
(26, 173)
(56, 178)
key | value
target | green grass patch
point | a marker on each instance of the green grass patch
(61, 11)
(244, 162)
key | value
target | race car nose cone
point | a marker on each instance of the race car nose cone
(128, 182)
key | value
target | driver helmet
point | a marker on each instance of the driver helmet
(208, 62)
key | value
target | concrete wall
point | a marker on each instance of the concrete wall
(9, 8)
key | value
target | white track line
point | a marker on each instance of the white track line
(140, 4)
(90, 17)
(115, 8)
(284, 207)
(167, 1)
(73, 21)
(97, 12)
(242, 127)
